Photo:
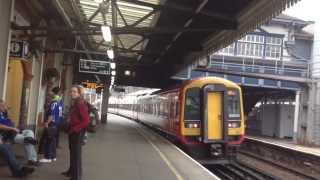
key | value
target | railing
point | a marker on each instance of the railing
(276, 69)
(315, 69)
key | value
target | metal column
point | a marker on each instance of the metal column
(296, 117)
(105, 103)
(7, 9)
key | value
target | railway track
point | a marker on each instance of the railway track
(303, 165)
(240, 171)
(284, 168)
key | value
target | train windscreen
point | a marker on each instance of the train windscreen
(233, 105)
(192, 105)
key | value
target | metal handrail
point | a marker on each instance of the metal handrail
(277, 69)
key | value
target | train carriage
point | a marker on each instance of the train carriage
(204, 114)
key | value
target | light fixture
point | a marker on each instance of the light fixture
(106, 33)
(127, 73)
(98, 1)
(110, 53)
(112, 65)
(112, 81)
(113, 73)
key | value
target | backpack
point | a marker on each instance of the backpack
(91, 109)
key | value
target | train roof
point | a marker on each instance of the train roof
(201, 80)
(211, 79)
(204, 80)
(142, 92)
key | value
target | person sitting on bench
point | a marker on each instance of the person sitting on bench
(8, 133)
(17, 170)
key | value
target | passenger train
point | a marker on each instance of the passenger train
(205, 115)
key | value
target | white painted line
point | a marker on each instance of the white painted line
(173, 146)
(194, 161)
(165, 159)
(187, 156)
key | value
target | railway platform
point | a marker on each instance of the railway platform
(122, 150)
(286, 144)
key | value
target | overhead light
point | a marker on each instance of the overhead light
(127, 73)
(98, 1)
(110, 53)
(113, 65)
(113, 73)
(106, 33)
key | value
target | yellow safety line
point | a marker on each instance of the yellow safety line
(164, 158)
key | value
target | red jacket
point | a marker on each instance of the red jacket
(79, 117)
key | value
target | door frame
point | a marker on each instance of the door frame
(205, 90)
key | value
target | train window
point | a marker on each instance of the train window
(192, 104)
(176, 109)
(172, 113)
(233, 104)
(161, 109)
(166, 109)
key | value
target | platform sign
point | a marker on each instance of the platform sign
(19, 49)
(94, 67)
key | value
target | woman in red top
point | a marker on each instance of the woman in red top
(78, 120)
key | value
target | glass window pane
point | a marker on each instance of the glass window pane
(233, 102)
(192, 104)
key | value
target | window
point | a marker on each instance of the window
(172, 110)
(229, 50)
(177, 109)
(273, 40)
(273, 52)
(161, 109)
(273, 47)
(192, 104)
(251, 45)
(233, 104)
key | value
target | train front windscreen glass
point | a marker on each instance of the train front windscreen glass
(192, 105)
(233, 105)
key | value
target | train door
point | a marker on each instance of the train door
(214, 114)
(213, 108)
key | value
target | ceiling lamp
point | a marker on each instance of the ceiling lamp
(106, 33)
(110, 53)
(112, 65)
(98, 1)
(127, 73)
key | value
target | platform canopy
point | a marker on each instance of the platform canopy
(154, 39)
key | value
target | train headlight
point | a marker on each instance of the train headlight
(192, 125)
(234, 124)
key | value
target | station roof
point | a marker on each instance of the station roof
(154, 39)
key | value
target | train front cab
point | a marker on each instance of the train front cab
(212, 123)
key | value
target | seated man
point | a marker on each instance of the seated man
(9, 132)
(17, 170)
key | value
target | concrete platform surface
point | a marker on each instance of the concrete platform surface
(123, 150)
(289, 144)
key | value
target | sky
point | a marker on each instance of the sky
(307, 10)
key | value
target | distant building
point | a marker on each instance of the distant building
(281, 47)
(284, 38)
